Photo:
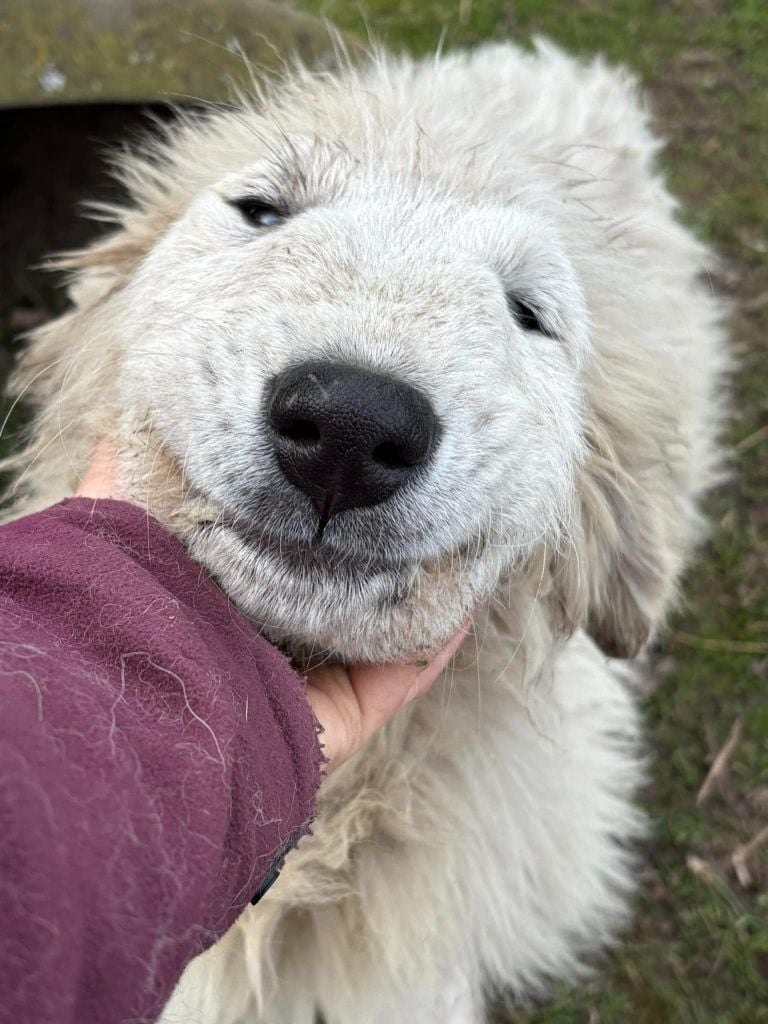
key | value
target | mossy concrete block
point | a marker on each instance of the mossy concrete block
(79, 77)
(87, 51)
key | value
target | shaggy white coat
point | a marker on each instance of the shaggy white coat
(483, 840)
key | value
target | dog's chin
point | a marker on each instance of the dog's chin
(315, 599)
(317, 602)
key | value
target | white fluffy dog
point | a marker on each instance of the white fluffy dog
(387, 347)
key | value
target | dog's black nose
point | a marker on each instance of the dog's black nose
(346, 437)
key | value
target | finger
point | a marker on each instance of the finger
(381, 690)
(98, 480)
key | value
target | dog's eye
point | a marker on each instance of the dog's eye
(526, 316)
(259, 212)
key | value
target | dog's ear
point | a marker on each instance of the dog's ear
(66, 371)
(626, 549)
(96, 272)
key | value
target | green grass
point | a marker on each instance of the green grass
(698, 951)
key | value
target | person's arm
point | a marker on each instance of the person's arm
(157, 758)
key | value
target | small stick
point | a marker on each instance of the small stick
(742, 854)
(701, 869)
(714, 644)
(752, 439)
(720, 763)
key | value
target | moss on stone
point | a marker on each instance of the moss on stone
(67, 51)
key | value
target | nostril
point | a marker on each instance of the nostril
(393, 456)
(299, 431)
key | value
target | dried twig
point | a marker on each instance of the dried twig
(742, 855)
(752, 439)
(701, 869)
(756, 303)
(703, 643)
(720, 763)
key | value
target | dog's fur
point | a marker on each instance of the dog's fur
(482, 839)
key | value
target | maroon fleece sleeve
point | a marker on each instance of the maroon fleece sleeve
(157, 758)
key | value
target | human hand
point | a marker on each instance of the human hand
(350, 702)
(98, 481)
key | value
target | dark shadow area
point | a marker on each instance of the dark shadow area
(53, 159)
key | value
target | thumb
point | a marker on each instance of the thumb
(381, 690)
(351, 703)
